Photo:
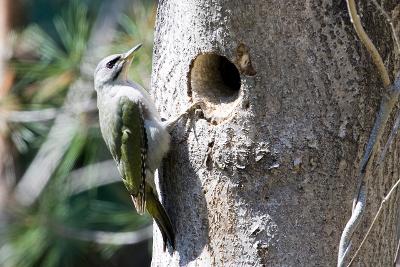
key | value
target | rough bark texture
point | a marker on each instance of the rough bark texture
(267, 176)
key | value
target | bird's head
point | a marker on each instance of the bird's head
(113, 68)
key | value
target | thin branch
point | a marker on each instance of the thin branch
(32, 115)
(101, 173)
(102, 237)
(391, 24)
(396, 256)
(376, 57)
(46, 160)
(389, 142)
(385, 199)
(47, 113)
(348, 231)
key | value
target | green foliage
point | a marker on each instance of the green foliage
(55, 62)
(50, 63)
(137, 27)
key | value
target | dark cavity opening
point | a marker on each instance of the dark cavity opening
(214, 78)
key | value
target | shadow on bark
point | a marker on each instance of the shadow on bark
(185, 200)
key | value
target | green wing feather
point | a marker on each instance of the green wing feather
(132, 164)
(133, 152)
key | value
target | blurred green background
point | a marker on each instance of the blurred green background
(50, 142)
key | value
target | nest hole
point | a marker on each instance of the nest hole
(214, 79)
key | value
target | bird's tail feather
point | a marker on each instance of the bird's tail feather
(162, 219)
(139, 202)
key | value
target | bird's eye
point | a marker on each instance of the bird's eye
(111, 63)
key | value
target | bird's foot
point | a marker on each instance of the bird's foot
(170, 124)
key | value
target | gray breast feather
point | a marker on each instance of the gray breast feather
(110, 122)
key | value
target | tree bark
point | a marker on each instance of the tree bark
(267, 175)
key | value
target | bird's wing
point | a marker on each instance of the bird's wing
(133, 151)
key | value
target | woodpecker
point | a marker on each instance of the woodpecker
(135, 134)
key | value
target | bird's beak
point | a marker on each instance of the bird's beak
(126, 59)
(129, 55)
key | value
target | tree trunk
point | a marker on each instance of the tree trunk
(267, 175)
